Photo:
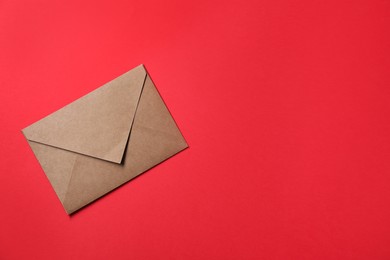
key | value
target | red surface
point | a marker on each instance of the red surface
(285, 106)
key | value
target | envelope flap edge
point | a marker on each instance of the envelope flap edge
(97, 124)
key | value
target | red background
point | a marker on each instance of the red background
(285, 106)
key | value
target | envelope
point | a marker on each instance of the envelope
(104, 139)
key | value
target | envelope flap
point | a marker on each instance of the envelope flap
(97, 124)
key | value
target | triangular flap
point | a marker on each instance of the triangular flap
(98, 124)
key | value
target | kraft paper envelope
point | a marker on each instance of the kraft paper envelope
(104, 139)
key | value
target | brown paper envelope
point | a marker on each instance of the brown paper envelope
(104, 139)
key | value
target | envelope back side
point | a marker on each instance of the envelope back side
(104, 139)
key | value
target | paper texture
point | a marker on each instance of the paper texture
(104, 139)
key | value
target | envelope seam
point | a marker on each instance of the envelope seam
(70, 179)
(69, 150)
(132, 122)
